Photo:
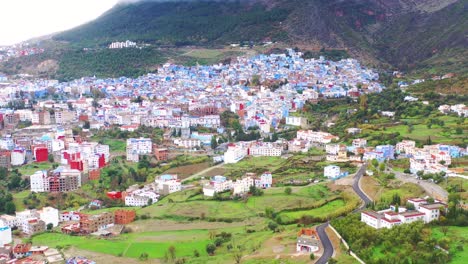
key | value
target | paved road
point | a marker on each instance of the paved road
(357, 187)
(326, 243)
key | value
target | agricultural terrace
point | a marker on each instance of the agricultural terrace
(313, 200)
(189, 244)
(297, 169)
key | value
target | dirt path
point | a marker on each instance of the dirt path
(201, 173)
(431, 188)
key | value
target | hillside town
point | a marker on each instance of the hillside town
(58, 131)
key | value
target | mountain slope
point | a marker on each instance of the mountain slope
(403, 33)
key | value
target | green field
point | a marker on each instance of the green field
(254, 164)
(115, 145)
(445, 134)
(405, 191)
(319, 212)
(132, 245)
(186, 205)
(192, 57)
(456, 235)
(156, 244)
(28, 169)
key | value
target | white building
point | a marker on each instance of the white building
(39, 182)
(295, 121)
(9, 220)
(331, 171)
(359, 143)
(234, 153)
(49, 215)
(141, 197)
(121, 45)
(389, 218)
(217, 184)
(138, 146)
(168, 183)
(5, 233)
(187, 143)
(266, 180)
(70, 216)
(18, 157)
(265, 149)
(316, 137)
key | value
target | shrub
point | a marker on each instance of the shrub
(210, 249)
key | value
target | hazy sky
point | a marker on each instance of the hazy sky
(24, 19)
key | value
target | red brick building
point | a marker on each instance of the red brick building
(161, 154)
(123, 217)
(95, 175)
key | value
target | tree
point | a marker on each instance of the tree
(196, 253)
(273, 226)
(143, 256)
(172, 252)
(429, 141)
(10, 208)
(444, 229)
(238, 256)
(255, 81)
(214, 142)
(382, 166)
(50, 158)
(288, 190)
(312, 256)
(210, 249)
(50, 226)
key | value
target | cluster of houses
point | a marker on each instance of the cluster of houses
(219, 184)
(150, 193)
(423, 211)
(459, 109)
(80, 162)
(178, 96)
(121, 45)
(430, 158)
(34, 221)
(96, 224)
(237, 151)
(18, 50)
(29, 222)
(28, 254)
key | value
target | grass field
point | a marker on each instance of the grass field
(115, 145)
(320, 212)
(254, 164)
(445, 134)
(132, 245)
(405, 191)
(457, 235)
(28, 169)
(186, 205)
(156, 244)
(201, 56)
(18, 199)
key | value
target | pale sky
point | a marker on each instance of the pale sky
(21, 20)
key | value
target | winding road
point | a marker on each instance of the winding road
(326, 243)
(357, 187)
